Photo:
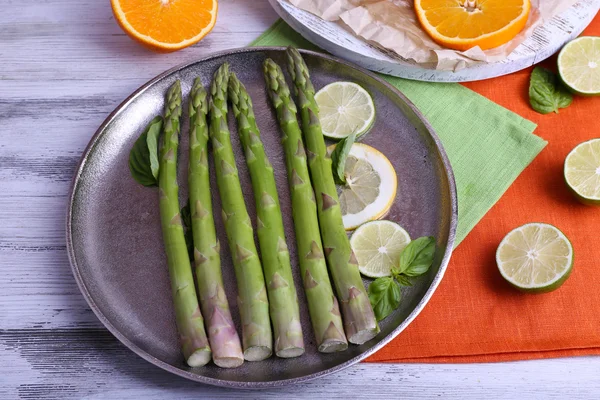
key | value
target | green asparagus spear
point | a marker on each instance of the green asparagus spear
(322, 304)
(283, 301)
(223, 337)
(252, 295)
(359, 319)
(187, 312)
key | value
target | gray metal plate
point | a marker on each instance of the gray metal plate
(113, 226)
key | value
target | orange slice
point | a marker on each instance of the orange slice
(463, 24)
(166, 25)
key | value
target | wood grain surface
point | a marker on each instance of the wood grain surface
(65, 65)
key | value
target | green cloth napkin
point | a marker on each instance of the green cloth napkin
(488, 145)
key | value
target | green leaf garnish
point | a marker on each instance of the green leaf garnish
(143, 157)
(546, 93)
(385, 295)
(186, 219)
(416, 258)
(339, 156)
(403, 280)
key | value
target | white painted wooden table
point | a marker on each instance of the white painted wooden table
(64, 65)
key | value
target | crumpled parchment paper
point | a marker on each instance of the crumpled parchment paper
(393, 25)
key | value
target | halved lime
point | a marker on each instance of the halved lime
(579, 65)
(370, 188)
(345, 107)
(582, 172)
(535, 258)
(377, 246)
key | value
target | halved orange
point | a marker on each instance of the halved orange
(463, 24)
(166, 25)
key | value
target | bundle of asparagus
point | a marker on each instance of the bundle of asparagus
(359, 319)
(190, 323)
(223, 337)
(252, 294)
(320, 233)
(283, 300)
(322, 304)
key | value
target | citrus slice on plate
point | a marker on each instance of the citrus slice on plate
(377, 246)
(582, 172)
(371, 185)
(345, 107)
(535, 258)
(166, 25)
(579, 65)
(463, 24)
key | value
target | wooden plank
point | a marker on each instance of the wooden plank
(90, 363)
(79, 40)
(65, 66)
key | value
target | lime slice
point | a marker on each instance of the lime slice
(345, 107)
(535, 258)
(377, 246)
(371, 185)
(582, 172)
(579, 65)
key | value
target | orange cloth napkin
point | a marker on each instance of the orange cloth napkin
(475, 316)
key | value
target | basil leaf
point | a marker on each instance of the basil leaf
(546, 93)
(417, 257)
(402, 280)
(186, 219)
(339, 156)
(385, 295)
(143, 157)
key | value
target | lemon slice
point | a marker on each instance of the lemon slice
(579, 65)
(535, 258)
(371, 185)
(377, 246)
(582, 172)
(345, 107)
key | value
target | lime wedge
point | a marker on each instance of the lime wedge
(582, 172)
(377, 246)
(371, 185)
(345, 107)
(579, 65)
(535, 258)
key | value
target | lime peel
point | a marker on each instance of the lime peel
(377, 246)
(582, 172)
(344, 108)
(579, 65)
(535, 257)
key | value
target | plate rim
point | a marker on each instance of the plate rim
(431, 75)
(75, 268)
